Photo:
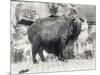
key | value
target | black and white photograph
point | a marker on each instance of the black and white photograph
(51, 37)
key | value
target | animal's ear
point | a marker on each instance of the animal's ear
(81, 19)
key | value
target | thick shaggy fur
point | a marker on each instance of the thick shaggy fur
(51, 34)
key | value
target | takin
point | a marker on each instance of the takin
(53, 35)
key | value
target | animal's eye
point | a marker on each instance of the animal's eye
(73, 20)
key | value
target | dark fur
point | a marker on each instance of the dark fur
(51, 34)
(25, 22)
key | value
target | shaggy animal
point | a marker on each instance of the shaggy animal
(52, 35)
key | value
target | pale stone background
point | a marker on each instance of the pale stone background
(22, 44)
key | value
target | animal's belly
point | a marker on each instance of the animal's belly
(50, 47)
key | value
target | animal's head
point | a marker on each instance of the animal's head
(81, 23)
(76, 27)
(77, 22)
(72, 28)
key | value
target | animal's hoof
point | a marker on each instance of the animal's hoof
(44, 60)
(63, 59)
(35, 62)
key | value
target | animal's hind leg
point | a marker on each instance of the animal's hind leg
(34, 53)
(41, 55)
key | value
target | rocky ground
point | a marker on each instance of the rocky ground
(54, 66)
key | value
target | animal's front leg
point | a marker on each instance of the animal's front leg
(61, 57)
(62, 47)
